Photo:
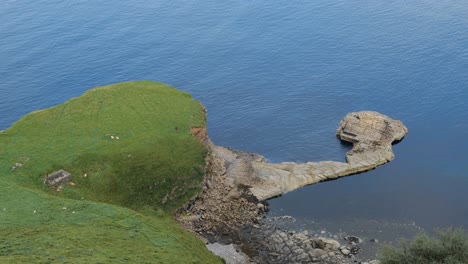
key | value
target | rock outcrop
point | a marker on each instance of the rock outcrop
(371, 134)
(224, 205)
(276, 245)
(237, 183)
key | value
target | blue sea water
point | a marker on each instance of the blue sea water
(276, 78)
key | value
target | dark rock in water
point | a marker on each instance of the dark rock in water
(58, 178)
(355, 250)
(353, 240)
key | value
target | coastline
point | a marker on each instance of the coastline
(235, 185)
(232, 205)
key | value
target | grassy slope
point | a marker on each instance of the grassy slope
(151, 168)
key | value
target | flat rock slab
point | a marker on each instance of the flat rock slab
(371, 133)
(228, 253)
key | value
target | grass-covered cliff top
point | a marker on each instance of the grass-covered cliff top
(133, 161)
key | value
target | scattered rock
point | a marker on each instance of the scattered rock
(17, 165)
(353, 240)
(328, 244)
(355, 250)
(345, 251)
(223, 206)
(300, 236)
(316, 253)
(58, 178)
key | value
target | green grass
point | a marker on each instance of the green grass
(126, 189)
(447, 247)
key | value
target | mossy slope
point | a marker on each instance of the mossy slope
(153, 167)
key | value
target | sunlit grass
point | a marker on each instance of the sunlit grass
(126, 145)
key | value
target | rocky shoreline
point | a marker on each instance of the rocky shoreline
(231, 207)
(275, 245)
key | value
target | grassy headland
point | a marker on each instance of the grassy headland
(133, 161)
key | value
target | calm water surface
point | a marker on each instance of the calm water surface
(276, 77)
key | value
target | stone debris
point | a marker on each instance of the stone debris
(274, 245)
(353, 240)
(17, 165)
(58, 178)
(222, 208)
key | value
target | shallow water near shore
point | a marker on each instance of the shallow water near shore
(276, 79)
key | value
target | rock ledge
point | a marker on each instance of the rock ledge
(371, 134)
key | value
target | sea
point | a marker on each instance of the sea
(276, 77)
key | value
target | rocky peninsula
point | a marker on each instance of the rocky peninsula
(371, 134)
(232, 204)
(222, 192)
